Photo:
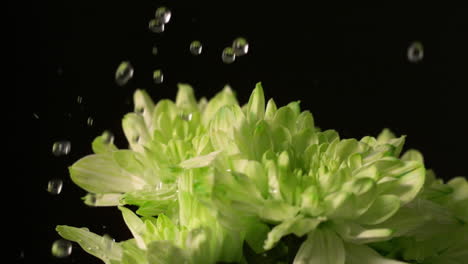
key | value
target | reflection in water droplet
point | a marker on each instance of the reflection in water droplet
(158, 76)
(79, 99)
(154, 50)
(196, 47)
(61, 248)
(240, 46)
(61, 148)
(107, 137)
(156, 26)
(415, 52)
(163, 14)
(123, 73)
(228, 55)
(90, 121)
(54, 186)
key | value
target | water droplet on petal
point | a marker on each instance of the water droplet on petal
(154, 50)
(61, 248)
(123, 73)
(196, 47)
(156, 25)
(54, 186)
(108, 137)
(240, 46)
(158, 76)
(415, 52)
(186, 117)
(139, 110)
(90, 121)
(61, 148)
(163, 14)
(136, 139)
(228, 55)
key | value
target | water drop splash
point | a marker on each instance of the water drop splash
(158, 76)
(196, 47)
(61, 148)
(108, 137)
(156, 26)
(123, 73)
(240, 46)
(415, 52)
(163, 14)
(61, 248)
(90, 121)
(228, 56)
(54, 186)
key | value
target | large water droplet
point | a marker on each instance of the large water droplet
(196, 47)
(90, 121)
(156, 25)
(61, 148)
(240, 46)
(108, 137)
(54, 186)
(415, 52)
(154, 50)
(61, 248)
(158, 76)
(228, 55)
(163, 14)
(123, 73)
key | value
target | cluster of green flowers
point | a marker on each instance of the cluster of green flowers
(211, 178)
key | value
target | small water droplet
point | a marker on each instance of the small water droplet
(186, 117)
(91, 199)
(61, 248)
(154, 50)
(158, 76)
(228, 55)
(196, 47)
(90, 121)
(123, 73)
(228, 170)
(54, 186)
(163, 14)
(415, 52)
(240, 46)
(61, 148)
(79, 99)
(108, 137)
(35, 116)
(156, 26)
(136, 138)
(21, 254)
(140, 110)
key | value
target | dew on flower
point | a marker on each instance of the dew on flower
(61, 248)
(79, 99)
(123, 73)
(54, 186)
(61, 148)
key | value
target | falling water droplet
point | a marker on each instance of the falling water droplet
(79, 99)
(228, 55)
(158, 76)
(61, 148)
(54, 186)
(240, 46)
(163, 14)
(61, 248)
(90, 121)
(156, 25)
(35, 116)
(108, 137)
(154, 50)
(415, 52)
(123, 73)
(196, 47)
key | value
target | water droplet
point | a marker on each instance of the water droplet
(90, 121)
(186, 117)
(156, 25)
(140, 110)
(61, 248)
(154, 50)
(163, 14)
(54, 186)
(240, 46)
(21, 254)
(196, 47)
(61, 148)
(108, 137)
(123, 73)
(158, 76)
(228, 55)
(136, 138)
(79, 99)
(91, 199)
(415, 52)
(35, 116)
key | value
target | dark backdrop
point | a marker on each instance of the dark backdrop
(347, 65)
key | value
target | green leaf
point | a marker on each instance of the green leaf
(135, 224)
(100, 173)
(360, 254)
(165, 252)
(200, 161)
(256, 104)
(383, 208)
(322, 246)
(101, 247)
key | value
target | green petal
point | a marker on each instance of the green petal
(102, 199)
(276, 211)
(144, 105)
(413, 155)
(165, 252)
(256, 104)
(355, 233)
(225, 97)
(135, 131)
(285, 117)
(135, 224)
(385, 136)
(383, 208)
(270, 110)
(322, 246)
(151, 201)
(200, 161)
(360, 254)
(101, 247)
(256, 234)
(185, 98)
(305, 121)
(100, 173)
(101, 144)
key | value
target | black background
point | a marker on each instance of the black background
(348, 66)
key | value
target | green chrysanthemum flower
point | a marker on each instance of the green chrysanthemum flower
(216, 174)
